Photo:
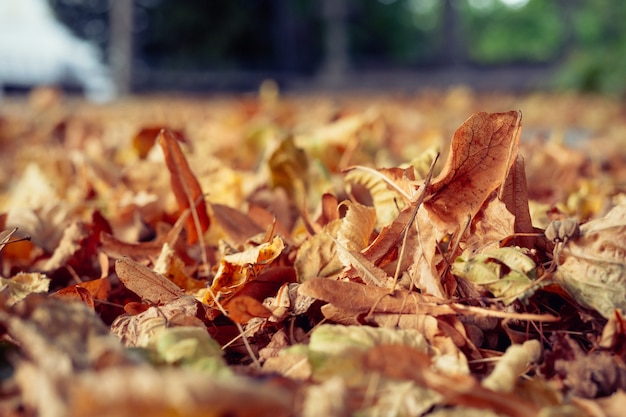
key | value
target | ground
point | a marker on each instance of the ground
(437, 253)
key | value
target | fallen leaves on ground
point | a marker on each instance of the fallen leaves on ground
(299, 256)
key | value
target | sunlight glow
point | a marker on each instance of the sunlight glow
(515, 4)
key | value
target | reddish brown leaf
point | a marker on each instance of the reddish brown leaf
(330, 209)
(481, 153)
(185, 186)
(149, 285)
(144, 140)
(515, 196)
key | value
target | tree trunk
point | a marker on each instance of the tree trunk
(336, 59)
(121, 44)
(454, 51)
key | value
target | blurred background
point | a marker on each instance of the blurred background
(116, 47)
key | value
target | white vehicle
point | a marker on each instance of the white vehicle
(36, 49)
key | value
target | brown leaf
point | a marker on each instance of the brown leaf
(515, 196)
(591, 266)
(116, 248)
(330, 209)
(237, 226)
(185, 186)
(404, 362)
(491, 224)
(56, 335)
(146, 391)
(586, 374)
(356, 297)
(385, 249)
(144, 282)
(481, 153)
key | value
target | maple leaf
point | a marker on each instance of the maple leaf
(481, 154)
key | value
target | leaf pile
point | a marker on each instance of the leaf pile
(301, 256)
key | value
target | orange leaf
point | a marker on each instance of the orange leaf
(243, 308)
(76, 293)
(185, 186)
(481, 153)
(87, 292)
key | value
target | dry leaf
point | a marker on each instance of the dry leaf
(5, 235)
(505, 272)
(491, 224)
(592, 267)
(241, 309)
(185, 186)
(237, 226)
(144, 391)
(359, 298)
(138, 329)
(149, 285)
(317, 256)
(289, 168)
(404, 362)
(391, 189)
(21, 285)
(237, 269)
(87, 291)
(145, 139)
(481, 154)
(515, 196)
(511, 365)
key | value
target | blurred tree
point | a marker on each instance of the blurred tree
(499, 33)
(230, 34)
(394, 32)
(288, 36)
(597, 54)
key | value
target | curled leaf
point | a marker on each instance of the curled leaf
(185, 186)
(236, 269)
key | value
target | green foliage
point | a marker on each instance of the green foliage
(597, 60)
(501, 34)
